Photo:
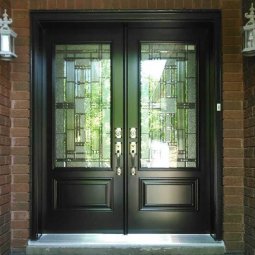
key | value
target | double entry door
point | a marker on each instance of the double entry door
(127, 130)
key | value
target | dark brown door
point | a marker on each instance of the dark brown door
(85, 105)
(127, 130)
(169, 166)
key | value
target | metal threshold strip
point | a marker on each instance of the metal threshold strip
(133, 244)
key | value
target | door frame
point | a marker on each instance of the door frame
(42, 20)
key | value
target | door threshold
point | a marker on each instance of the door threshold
(132, 244)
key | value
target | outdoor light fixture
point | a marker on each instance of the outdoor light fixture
(249, 34)
(7, 36)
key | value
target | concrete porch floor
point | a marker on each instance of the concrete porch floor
(133, 244)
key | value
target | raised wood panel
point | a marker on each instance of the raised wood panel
(84, 194)
(169, 194)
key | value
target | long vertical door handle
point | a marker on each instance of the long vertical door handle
(118, 155)
(133, 153)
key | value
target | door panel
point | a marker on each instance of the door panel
(178, 194)
(84, 192)
(170, 187)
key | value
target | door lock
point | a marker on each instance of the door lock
(118, 155)
(133, 153)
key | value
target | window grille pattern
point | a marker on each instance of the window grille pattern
(83, 105)
(168, 101)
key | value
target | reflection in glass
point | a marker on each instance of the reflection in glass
(82, 105)
(168, 105)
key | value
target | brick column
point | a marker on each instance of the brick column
(5, 143)
(20, 116)
(249, 143)
(233, 125)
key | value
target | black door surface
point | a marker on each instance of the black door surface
(128, 129)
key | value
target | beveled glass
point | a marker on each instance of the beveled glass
(83, 105)
(168, 108)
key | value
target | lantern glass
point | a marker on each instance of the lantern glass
(249, 33)
(7, 36)
(5, 43)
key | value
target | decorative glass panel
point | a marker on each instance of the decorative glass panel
(168, 105)
(83, 105)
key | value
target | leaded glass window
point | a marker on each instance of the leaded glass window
(83, 105)
(168, 101)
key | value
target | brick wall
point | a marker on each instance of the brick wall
(232, 95)
(5, 149)
(20, 128)
(249, 152)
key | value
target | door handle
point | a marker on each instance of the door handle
(133, 153)
(118, 155)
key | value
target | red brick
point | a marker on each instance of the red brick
(179, 4)
(233, 218)
(19, 14)
(20, 76)
(233, 227)
(20, 160)
(20, 206)
(232, 58)
(233, 152)
(20, 122)
(20, 197)
(61, 4)
(235, 133)
(20, 169)
(5, 170)
(51, 4)
(20, 141)
(234, 181)
(5, 208)
(233, 105)
(20, 178)
(235, 191)
(233, 236)
(70, 4)
(19, 132)
(170, 4)
(234, 4)
(20, 216)
(233, 114)
(21, 23)
(152, 4)
(230, 209)
(197, 4)
(20, 224)
(24, 233)
(20, 95)
(21, 187)
(231, 13)
(233, 95)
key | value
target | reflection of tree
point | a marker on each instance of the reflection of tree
(156, 117)
(99, 103)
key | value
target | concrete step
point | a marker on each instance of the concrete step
(133, 244)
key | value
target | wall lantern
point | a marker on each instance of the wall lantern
(7, 36)
(249, 34)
